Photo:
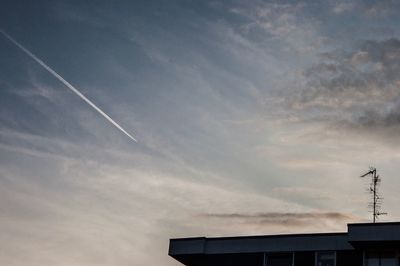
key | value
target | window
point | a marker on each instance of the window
(380, 259)
(280, 260)
(326, 258)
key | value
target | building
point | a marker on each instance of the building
(364, 244)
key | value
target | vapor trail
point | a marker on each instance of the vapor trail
(66, 83)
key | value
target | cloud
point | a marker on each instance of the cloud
(379, 9)
(356, 87)
(98, 213)
(293, 219)
(281, 24)
(200, 80)
(342, 7)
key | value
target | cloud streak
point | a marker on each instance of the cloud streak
(66, 83)
(283, 218)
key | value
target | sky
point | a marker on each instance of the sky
(251, 117)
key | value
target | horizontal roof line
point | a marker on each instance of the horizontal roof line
(260, 236)
(374, 224)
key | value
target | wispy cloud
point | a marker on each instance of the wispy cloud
(285, 218)
(250, 111)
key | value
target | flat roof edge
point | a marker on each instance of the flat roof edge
(260, 236)
(358, 234)
(374, 224)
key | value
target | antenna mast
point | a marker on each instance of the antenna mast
(373, 190)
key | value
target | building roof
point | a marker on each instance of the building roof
(358, 235)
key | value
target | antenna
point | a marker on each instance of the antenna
(373, 190)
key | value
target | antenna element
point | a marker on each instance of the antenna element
(373, 190)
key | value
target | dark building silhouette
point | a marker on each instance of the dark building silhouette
(364, 244)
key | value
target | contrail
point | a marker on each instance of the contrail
(66, 83)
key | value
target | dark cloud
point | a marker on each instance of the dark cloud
(283, 218)
(357, 87)
(363, 72)
(383, 8)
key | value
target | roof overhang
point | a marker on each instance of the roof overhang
(374, 235)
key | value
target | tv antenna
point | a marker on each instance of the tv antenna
(373, 190)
